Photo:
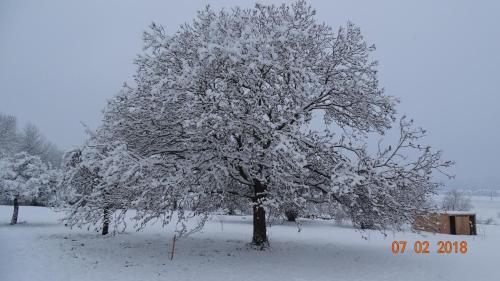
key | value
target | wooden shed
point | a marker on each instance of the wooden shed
(455, 223)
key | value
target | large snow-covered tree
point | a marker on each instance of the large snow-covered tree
(221, 111)
(21, 178)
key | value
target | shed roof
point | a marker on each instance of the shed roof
(464, 213)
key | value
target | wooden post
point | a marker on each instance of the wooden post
(105, 221)
(173, 249)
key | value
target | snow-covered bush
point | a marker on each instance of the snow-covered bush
(291, 212)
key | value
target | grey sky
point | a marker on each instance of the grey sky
(61, 61)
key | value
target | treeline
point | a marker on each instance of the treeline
(28, 139)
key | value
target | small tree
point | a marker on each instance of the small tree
(93, 187)
(21, 177)
(456, 201)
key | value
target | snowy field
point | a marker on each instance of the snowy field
(40, 248)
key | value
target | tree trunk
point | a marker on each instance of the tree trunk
(259, 218)
(105, 222)
(259, 227)
(16, 211)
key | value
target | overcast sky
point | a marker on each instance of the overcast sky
(61, 61)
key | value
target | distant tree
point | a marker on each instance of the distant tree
(21, 178)
(9, 137)
(34, 143)
(52, 154)
(456, 201)
(29, 140)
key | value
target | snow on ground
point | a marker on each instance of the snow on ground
(42, 249)
(486, 208)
